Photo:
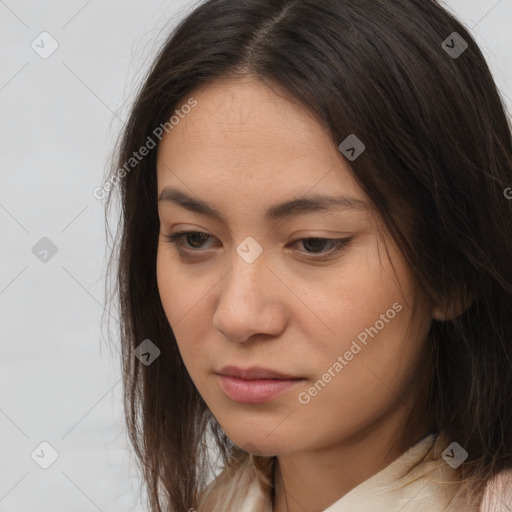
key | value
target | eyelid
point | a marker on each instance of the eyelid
(338, 244)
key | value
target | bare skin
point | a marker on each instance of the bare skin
(297, 306)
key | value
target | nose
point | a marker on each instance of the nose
(251, 302)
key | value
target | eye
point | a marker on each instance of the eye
(177, 238)
(314, 247)
(195, 239)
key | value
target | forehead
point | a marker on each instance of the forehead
(244, 139)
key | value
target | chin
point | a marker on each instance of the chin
(261, 443)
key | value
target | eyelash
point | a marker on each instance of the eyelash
(338, 244)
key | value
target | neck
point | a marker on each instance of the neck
(316, 479)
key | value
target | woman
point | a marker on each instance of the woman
(314, 264)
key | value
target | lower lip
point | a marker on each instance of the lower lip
(255, 391)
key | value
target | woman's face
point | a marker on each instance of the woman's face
(253, 290)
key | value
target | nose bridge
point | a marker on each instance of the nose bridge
(248, 301)
(245, 282)
(249, 267)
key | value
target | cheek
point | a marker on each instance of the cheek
(168, 282)
(372, 378)
(380, 332)
(376, 347)
(181, 288)
(182, 295)
(360, 299)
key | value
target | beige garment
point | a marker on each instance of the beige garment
(418, 481)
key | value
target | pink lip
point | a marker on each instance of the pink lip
(254, 385)
(255, 372)
(255, 391)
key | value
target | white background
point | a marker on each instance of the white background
(59, 380)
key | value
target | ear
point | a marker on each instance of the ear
(451, 309)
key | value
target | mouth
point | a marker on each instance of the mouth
(255, 385)
(254, 373)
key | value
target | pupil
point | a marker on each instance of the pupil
(315, 242)
(195, 236)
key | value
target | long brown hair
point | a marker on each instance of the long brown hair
(437, 161)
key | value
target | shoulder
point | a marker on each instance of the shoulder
(243, 484)
(498, 493)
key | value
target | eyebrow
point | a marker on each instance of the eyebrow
(297, 206)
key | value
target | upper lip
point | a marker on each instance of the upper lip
(253, 373)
